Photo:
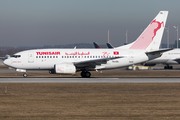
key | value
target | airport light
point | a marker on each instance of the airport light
(167, 29)
(126, 36)
(176, 27)
(108, 36)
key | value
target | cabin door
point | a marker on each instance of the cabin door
(30, 57)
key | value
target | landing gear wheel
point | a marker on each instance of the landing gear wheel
(168, 67)
(85, 74)
(88, 74)
(25, 75)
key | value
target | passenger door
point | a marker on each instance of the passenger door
(30, 57)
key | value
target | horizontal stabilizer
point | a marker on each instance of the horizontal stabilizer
(159, 51)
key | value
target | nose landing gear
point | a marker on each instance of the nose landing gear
(25, 75)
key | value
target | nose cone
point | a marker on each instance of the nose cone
(7, 62)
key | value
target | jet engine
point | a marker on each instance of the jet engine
(64, 68)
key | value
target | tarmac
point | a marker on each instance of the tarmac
(90, 80)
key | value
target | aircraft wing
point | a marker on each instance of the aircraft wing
(94, 62)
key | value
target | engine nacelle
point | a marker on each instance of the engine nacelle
(64, 68)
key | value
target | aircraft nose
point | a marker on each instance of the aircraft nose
(6, 62)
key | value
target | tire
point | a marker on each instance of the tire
(25, 75)
(171, 67)
(85, 74)
(88, 74)
(82, 74)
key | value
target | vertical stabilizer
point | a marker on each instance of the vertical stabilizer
(151, 37)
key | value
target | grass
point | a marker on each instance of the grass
(121, 101)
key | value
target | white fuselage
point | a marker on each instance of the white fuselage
(46, 58)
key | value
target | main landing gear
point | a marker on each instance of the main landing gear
(85, 74)
(51, 72)
(168, 67)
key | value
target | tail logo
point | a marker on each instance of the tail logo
(148, 35)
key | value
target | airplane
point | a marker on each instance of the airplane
(168, 58)
(70, 61)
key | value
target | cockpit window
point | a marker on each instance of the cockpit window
(16, 56)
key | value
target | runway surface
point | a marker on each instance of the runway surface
(89, 80)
